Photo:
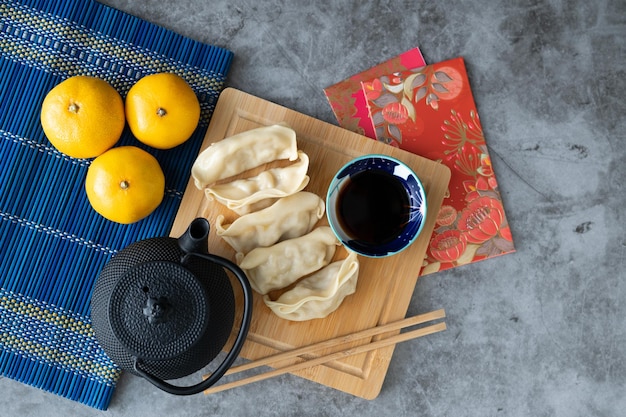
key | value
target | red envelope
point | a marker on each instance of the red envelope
(431, 112)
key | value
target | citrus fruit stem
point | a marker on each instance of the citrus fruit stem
(124, 184)
(161, 112)
(73, 108)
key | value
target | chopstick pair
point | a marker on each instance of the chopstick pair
(305, 350)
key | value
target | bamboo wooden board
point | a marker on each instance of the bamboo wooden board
(384, 286)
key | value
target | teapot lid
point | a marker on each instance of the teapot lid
(158, 310)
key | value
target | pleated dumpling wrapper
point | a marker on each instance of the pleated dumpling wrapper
(243, 151)
(242, 195)
(288, 218)
(319, 294)
(282, 264)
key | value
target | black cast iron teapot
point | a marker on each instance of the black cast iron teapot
(163, 308)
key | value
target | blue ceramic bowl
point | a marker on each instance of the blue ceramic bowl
(398, 176)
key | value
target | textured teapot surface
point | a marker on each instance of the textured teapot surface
(173, 315)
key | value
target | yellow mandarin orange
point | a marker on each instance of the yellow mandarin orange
(162, 110)
(125, 184)
(83, 116)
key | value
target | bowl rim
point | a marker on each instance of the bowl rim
(332, 185)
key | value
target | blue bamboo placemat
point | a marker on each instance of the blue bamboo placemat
(53, 245)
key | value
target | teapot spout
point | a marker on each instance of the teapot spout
(195, 239)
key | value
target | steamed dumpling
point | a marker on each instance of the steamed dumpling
(289, 217)
(282, 264)
(319, 294)
(241, 195)
(243, 151)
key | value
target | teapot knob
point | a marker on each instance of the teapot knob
(157, 310)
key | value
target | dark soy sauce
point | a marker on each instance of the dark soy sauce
(373, 207)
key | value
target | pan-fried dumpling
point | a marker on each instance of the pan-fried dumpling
(240, 195)
(289, 217)
(244, 151)
(282, 264)
(319, 294)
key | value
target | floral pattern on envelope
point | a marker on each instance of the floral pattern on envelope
(430, 111)
(347, 100)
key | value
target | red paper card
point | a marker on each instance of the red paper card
(431, 112)
(348, 101)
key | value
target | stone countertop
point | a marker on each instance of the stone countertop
(540, 332)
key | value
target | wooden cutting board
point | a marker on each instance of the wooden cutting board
(384, 286)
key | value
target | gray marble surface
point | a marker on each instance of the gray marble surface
(537, 333)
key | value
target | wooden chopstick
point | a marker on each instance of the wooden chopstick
(378, 330)
(331, 357)
(373, 331)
